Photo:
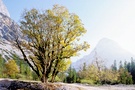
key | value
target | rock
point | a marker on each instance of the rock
(9, 30)
(23, 85)
(15, 85)
(1, 88)
(3, 9)
(4, 84)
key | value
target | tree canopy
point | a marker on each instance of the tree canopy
(51, 39)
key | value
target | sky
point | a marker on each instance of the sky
(113, 19)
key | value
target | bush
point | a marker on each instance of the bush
(19, 76)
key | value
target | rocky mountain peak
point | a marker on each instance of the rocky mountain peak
(107, 51)
(3, 9)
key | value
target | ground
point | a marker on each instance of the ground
(6, 84)
(103, 87)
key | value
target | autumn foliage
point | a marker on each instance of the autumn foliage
(11, 69)
(52, 39)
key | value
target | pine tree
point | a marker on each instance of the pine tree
(72, 76)
(132, 67)
(120, 65)
(129, 67)
(114, 66)
(125, 65)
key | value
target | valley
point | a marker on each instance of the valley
(36, 53)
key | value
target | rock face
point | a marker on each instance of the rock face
(8, 28)
(8, 32)
(3, 9)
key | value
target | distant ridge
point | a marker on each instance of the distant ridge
(106, 50)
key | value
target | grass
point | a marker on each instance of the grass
(90, 82)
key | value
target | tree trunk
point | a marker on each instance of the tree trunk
(44, 79)
(53, 76)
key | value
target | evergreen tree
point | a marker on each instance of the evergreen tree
(28, 72)
(120, 65)
(132, 67)
(1, 66)
(129, 67)
(34, 76)
(125, 65)
(114, 66)
(72, 76)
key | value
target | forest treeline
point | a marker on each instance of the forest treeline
(95, 73)
(16, 68)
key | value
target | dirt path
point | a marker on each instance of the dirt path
(83, 87)
(107, 87)
(104, 87)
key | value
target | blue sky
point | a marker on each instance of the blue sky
(113, 19)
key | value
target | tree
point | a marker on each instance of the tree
(1, 66)
(133, 69)
(11, 68)
(120, 65)
(72, 76)
(28, 72)
(52, 37)
(114, 66)
(124, 77)
(125, 65)
(63, 66)
(84, 67)
(99, 64)
(109, 76)
(92, 73)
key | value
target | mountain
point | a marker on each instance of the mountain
(107, 51)
(3, 9)
(8, 32)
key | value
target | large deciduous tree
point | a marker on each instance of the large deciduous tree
(52, 39)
